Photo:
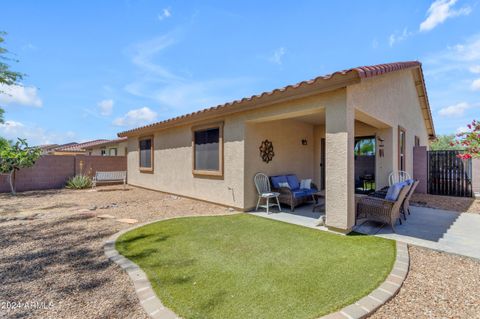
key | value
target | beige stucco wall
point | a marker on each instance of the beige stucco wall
(391, 98)
(291, 157)
(173, 166)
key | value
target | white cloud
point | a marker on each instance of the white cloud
(166, 13)
(474, 69)
(454, 110)
(395, 38)
(174, 92)
(476, 85)
(137, 117)
(462, 57)
(21, 95)
(441, 10)
(105, 107)
(34, 134)
(277, 56)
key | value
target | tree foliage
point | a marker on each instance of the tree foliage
(470, 141)
(7, 76)
(444, 143)
(15, 156)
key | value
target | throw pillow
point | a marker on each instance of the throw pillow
(284, 184)
(306, 183)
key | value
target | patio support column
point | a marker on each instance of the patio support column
(339, 158)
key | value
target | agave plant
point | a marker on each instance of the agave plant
(79, 182)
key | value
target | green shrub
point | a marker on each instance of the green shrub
(79, 182)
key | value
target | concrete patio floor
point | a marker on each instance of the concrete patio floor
(437, 229)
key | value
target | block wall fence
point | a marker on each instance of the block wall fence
(53, 171)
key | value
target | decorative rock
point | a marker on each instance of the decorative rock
(94, 207)
(127, 220)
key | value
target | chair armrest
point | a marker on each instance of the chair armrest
(314, 186)
(375, 201)
(283, 190)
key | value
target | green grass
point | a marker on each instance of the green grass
(243, 266)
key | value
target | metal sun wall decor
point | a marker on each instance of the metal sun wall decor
(266, 151)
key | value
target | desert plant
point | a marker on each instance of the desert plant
(79, 182)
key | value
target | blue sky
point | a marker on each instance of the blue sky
(98, 68)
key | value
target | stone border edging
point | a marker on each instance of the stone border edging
(386, 291)
(147, 297)
(358, 310)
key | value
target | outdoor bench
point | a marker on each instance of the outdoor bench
(110, 177)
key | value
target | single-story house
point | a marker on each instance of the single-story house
(213, 154)
(116, 147)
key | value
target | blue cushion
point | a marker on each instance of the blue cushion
(394, 191)
(298, 193)
(309, 191)
(293, 181)
(278, 179)
(410, 181)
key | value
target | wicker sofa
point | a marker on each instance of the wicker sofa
(292, 195)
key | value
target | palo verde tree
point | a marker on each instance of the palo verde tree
(16, 156)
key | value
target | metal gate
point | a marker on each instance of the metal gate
(449, 175)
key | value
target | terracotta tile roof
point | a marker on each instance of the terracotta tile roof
(107, 142)
(362, 72)
(80, 147)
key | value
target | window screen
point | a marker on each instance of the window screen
(207, 149)
(146, 153)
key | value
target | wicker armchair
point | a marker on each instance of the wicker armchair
(406, 202)
(382, 210)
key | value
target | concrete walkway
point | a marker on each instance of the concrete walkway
(426, 227)
(434, 228)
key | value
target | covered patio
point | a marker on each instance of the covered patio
(343, 154)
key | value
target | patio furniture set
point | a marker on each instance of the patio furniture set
(386, 206)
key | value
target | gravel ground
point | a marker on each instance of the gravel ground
(51, 247)
(456, 204)
(438, 285)
(53, 255)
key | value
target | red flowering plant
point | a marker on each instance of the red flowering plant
(470, 141)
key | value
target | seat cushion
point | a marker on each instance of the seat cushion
(278, 179)
(298, 193)
(309, 192)
(394, 191)
(293, 181)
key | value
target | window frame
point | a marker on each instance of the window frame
(200, 172)
(152, 148)
(399, 149)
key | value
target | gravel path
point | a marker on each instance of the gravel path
(56, 259)
(51, 247)
(456, 204)
(438, 285)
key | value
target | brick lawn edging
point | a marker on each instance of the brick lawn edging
(360, 309)
(386, 291)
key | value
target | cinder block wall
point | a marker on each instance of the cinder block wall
(52, 171)
(420, 168)
(476, 175)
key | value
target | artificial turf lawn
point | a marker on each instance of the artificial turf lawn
(243, 266)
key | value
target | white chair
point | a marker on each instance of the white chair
(397, 176)
(262, 183)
